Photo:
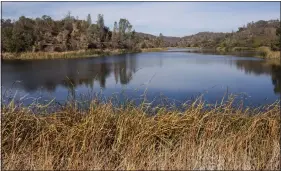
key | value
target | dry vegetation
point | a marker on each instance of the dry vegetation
(154, 49)
(72, 54)
(107, 137)
(55, 55)
(265, 52)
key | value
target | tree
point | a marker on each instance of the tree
(89, 19)
(23, 35)
(278, 34)
(161, 40)
(100, 24)
(114, 38)
(68, 16)
(125, 29)
(7, 32)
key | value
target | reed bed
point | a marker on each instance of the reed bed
(105, 136)
(67, 54)
(263, 52)
(72, 54)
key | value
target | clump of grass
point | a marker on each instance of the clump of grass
(267, 53)
(222, 49)
(154, 49)
(104, 136)
(235, 49)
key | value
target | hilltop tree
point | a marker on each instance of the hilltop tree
(89, 19)
(68, 16)
(161, 40)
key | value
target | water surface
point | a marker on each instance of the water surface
(178, 75)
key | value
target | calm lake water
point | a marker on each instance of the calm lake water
(177, 75)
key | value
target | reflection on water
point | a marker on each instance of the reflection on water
(175, 74)
(68, 73)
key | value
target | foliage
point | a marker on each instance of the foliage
(254, 35)
(69, 34)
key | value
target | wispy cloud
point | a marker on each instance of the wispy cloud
(170, 18)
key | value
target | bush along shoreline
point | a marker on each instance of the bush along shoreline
(105, 136)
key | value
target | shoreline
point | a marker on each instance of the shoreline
(264, 52)
(72, 54)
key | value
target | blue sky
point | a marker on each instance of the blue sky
(169, 18)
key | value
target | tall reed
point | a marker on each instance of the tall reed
(128, 137)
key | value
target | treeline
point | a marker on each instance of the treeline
(70, 34)
(253, 35)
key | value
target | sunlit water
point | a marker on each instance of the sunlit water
(177, 75)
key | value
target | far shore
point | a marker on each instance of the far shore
(73, 54)
(264, 52)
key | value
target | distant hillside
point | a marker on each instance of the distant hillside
(172, 41)
(202, 39)
(255, 34)
(168, 40)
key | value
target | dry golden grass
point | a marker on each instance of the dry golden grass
(154, 49)
(267, 53)
(72, 54)
(107, 137)
(68, 54)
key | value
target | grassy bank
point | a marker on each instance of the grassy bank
(107, 137)
(72, 54)
(234, 49)
(267, 53)
(263, 52)
(68, 54)
(154, 49)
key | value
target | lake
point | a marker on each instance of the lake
(173, 76)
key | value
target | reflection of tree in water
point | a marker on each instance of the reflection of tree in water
(253, 67)
(125, 75)
(276, 78)
(262, 67)
(50, 86)
(124, 70)
(104, 73)
(68, 73)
